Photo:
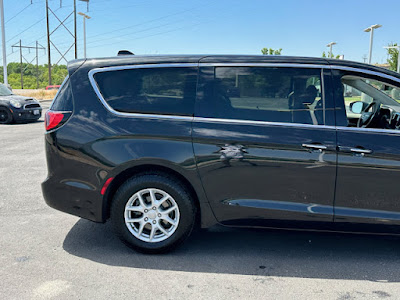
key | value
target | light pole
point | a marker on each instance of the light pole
(330, 46)
(371, 29)
(3, 43)
(85, 16)
(398, 58)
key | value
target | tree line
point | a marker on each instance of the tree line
(393, 55)
(33, 77)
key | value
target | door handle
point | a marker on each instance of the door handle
(320, 148)
(360, 151)
(355, 150)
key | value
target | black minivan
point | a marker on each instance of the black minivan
(163, 144)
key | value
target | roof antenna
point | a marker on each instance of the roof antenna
(124, 52)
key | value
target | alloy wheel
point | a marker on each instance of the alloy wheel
(151, 215)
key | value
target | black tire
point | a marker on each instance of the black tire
(5, 116)
(168, 184)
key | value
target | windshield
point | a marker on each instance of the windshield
(4, 91)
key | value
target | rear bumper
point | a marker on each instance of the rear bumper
(73, 198)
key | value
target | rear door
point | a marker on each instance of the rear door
(263, 143)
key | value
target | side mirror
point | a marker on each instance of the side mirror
(357, 107)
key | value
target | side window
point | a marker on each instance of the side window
(371, 103)
(288, 95)
(63, 99)
(149, 90)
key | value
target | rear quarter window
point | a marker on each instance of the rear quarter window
(63, 99)
(168, 91)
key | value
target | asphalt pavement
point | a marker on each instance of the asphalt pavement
(46, 254)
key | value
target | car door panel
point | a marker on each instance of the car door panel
(254, 171)
(262, 171)
(367, 183)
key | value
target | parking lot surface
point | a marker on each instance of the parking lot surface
(46, 254)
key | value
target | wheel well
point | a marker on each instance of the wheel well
(145, 169)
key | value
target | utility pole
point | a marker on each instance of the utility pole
(3, 43)
(22, 71)
(364, 58)
(330, 51)
(371, 39)
(37, 65)
(21, 56)
(76, 44)
(48, 42)
(85, 16)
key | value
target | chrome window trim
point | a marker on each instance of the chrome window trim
(369, 72)
(370, 130)
(310, 126)
(280, 65)
(93, 82)
(265, 123)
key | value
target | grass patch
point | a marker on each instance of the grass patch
(38, 94)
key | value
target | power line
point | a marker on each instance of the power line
(136, 25)
(146, 22)
(147, 36)
(22, 57)
(18, 13)
(130, 33)
(29, 27)
(42, 19)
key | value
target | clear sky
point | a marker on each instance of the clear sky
(299, 27)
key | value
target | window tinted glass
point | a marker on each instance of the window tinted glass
(150, 90)
(63, 99)
(265, 94)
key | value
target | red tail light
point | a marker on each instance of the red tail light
(53, 119)
(106, 184)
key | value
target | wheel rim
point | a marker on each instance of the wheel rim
(151, 215)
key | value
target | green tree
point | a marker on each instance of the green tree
(329, 55)
(393, 56)
(270, 51)
(30, 74)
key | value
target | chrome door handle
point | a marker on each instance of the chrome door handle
(315, 147)
(360, 151)
(355, 151)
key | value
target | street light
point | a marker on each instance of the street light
(398, 58)
(330, 51)
(371, 29)
(85, 16)
(3, 43)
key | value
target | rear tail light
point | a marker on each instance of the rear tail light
(53, 119)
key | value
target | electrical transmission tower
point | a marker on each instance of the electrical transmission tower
(61, 23)
(22, 57)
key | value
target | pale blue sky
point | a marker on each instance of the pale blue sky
(301, 28)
